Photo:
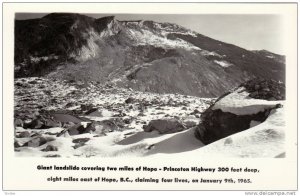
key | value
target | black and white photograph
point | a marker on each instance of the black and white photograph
(150, 96)
(97, 85)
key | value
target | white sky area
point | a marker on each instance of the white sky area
(252, 32)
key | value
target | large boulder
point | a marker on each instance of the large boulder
(239, 109)
(164, 126)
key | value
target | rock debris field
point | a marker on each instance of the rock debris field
(59, 118)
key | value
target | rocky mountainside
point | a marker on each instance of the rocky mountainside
(141, 55)
(268, 54)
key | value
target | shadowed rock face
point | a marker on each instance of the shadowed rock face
(217, 124)
(141, 55)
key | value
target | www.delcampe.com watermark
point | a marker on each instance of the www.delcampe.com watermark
(270, 193)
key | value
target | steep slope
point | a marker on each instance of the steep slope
(271, 55)
(142, 55)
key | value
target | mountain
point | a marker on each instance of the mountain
(271, 55)
(141, 55)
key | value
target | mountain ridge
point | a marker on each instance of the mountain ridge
(142, 55)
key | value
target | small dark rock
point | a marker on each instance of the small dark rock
(52, 155)
(91, 111)
(35, 124)
(195, 112)
(81, 140)
(50, 148)
(228, 141)
(129, 100)
(127, 120)
(70, 104)
(17, 144)
(33, 82)
(53, 101)
(85, 107)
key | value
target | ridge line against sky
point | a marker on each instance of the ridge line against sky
(252, 32)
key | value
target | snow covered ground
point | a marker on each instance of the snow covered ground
(31, 94)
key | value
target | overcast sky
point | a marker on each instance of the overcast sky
(253, 32)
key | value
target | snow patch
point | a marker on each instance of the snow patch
(210, 53)
(239, 103)
(146, 37)
(167, 28)
(223, 63)
(44, 58)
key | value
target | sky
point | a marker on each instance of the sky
(252, 32)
